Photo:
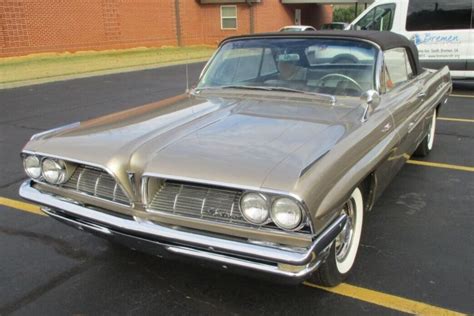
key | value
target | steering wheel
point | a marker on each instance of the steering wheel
(336, 75)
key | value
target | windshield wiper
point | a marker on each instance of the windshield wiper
(235, 87)
(325, 97)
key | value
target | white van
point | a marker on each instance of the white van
(441, 29)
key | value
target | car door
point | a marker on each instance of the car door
(470, 60)
(406, 95)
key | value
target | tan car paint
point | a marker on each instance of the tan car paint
(270, 141)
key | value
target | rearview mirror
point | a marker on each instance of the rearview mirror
(288, 58)
(370, 100)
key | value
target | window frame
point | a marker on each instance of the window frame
(385, 73)
(227, 17)
(372, 11)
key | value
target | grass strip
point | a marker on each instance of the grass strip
(46, 65)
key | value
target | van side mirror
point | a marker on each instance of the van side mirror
(370, 100)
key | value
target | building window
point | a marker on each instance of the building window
(228, 17)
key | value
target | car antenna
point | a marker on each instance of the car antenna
(187, 76)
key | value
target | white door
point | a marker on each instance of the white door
(470, 50)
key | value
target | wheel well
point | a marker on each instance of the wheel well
(367, 186)
(437, 109)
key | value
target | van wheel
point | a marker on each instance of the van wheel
(427, 144)
(344, 248)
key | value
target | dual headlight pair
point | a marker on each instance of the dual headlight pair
(53, 171)
(258, 209)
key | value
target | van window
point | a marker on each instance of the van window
(397, 67)
(379, 18)
(428, 15)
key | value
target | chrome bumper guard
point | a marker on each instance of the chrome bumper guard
(152, 238)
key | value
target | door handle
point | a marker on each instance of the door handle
(386, 127)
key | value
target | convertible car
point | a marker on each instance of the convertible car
(266, 166)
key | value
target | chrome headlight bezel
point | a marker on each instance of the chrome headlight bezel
(66, 168)
(264, 203)
(276, 213)
(272, 198)
(33, 159)
(49, 166)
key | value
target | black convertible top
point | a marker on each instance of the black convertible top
(384, 39)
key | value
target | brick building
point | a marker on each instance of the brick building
(32, 26)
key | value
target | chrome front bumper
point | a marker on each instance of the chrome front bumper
(160, 240)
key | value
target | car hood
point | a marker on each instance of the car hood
(223, 139)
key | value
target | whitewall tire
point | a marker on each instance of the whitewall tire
(427, 144)
(344, 249)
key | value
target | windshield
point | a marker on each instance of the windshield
(329, 66)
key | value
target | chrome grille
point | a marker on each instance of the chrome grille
(96, 182)
(199, 201)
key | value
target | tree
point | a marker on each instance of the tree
(346, 14)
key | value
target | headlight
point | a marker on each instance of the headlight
(54, 172)
(32, 166)
(254, 208)
(286, 213)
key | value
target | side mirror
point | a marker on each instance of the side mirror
(370, 100)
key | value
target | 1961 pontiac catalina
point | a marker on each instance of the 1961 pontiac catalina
(266, 166)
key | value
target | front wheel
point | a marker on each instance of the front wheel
(344, 248)
(427, 144)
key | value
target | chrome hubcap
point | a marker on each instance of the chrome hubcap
(344, 239)
(430, 134)
(432, 131)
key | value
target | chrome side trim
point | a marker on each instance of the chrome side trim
(203, 242)
(55, 130)
(379, 63)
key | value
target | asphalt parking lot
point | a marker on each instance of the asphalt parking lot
(417, 246)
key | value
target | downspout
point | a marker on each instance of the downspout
(251, 15)
(178, 22)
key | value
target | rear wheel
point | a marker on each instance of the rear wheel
(427, 144)
(344, 248)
